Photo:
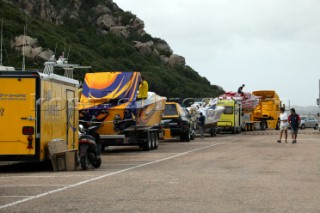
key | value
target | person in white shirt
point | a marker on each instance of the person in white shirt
(283, 124)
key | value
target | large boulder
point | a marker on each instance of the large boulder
(30, 52)
(101, 10)
(26, 40)
(120, 31)
(45, 55)
(106, 21)
(163, 47)
(164, 59)
(32, 49)
(177, 60)
(137, 25)
(144, 48)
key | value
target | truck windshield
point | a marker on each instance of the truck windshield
(228, 110)
(170, 109)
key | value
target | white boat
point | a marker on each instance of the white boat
(209, 109)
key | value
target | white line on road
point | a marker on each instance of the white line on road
(15, 196)
(31, 185)
(46, 176)
(104, 176)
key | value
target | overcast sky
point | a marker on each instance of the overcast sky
(265, 44)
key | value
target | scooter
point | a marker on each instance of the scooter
(89, 146)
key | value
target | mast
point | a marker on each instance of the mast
(23, 57)
(23, 45)
(1, 42)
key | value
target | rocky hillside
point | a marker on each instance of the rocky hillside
(100, 34)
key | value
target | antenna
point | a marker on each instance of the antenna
(1, 41)
(69, 52)
(55, 49)
(23, 45)
(23, 57)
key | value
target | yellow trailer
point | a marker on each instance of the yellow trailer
(36, 108)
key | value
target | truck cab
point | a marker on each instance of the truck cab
(268, 111)
(231, 118)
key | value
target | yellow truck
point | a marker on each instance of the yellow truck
(237, 117)
(268, 110)
(36, 108)
(231, 118)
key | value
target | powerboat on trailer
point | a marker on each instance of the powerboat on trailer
(111, 97)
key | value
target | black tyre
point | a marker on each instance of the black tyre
(156, 139)
(152, 140)
(192, 135)
(316, 127)
(148, 143)
(84, 162)
(263, 125)
(187, 136)
(213, 132)
(96, 163)
(303, 126)
(182, 137)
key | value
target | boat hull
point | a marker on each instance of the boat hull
(145, 113)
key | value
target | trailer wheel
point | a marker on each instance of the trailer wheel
(188, 136)
(263, 125)
(148, 143)
(213, 132)
(153, 141)
(156, 138)
(192, 136)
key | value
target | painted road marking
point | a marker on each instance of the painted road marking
(13, 196)
(47, 176)
(32, 185)
(105, 175)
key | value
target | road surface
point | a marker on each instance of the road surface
(228, 173)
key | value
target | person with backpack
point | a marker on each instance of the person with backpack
(294, 122)
(201, 123)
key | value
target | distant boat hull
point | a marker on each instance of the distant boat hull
(248, 100)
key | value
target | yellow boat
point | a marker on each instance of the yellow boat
(111, 98)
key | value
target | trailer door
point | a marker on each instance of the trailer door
(18, 117)
(71, 119)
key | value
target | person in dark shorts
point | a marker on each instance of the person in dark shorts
(294, 122)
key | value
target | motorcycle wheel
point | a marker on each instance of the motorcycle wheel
(96, 163)
(84, 162)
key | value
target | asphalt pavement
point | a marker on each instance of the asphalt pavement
(248, 172)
